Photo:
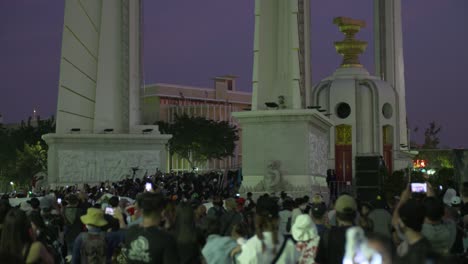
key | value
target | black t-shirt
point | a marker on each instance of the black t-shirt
(419, 252)
(150, 245)
(332, 244)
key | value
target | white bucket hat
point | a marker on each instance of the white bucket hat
(304, 228)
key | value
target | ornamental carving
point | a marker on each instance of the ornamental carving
(343, 135)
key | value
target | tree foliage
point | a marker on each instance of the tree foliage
(197, 139)
(431, 136)
(23, 153)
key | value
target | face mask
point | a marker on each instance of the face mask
(303, 207)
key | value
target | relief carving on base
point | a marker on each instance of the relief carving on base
(273, 181)
(318, 155)
(96, 166)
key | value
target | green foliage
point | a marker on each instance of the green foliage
(31, 160)
(437, 158)
(197, 139)
(431, 136)
(23, 153)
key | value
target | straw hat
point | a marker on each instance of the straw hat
(94, 217)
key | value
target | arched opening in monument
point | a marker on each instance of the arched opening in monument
(343, 153)
(387, 133)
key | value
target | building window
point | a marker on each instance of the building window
(343, 110)
(229, 85)
(387, 110)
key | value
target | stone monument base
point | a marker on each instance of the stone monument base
(94, 158)
(284, 150)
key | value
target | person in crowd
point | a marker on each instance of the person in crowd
(218, 248)
(95, 245)
(453, 214)
(267, 245)
(148, 243)
(332, 244)
(249, 203)
(331, 215)
(73, 226)
(217, 210)
(409, 216)
(47, 236)
(200, 215)
(169, 216)
(19, 239)
(186, 235)
(364, 222)
(383, 245)
(230, 218)
(4, 209)
(381, 218)
(300, 206)
(117, 212)
(305, 233)
(35, 204)
(440, 233)
(285, 217)
(137, 216)
(318, 212)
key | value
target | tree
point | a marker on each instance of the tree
(197, 139)
(431, 136)
(30, 161)
(22, 150)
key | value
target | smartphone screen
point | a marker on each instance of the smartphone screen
(418, 187)
(148, 187)
(109, 211)
(59, 200)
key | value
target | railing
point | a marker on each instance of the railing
(338, 187)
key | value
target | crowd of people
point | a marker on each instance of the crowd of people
(189, 218)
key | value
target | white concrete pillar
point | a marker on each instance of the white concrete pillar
(109, 86)
(389, 59)
(135, 87)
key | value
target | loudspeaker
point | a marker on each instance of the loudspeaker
(367, 163)
(367, 194)
(367, 178)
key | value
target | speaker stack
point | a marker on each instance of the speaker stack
(368, 178)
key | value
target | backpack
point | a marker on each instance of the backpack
(94, 248)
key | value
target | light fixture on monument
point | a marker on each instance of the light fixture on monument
(147, 131)
(75, 130)
(272, 105)
(108, 130)
(314, 107)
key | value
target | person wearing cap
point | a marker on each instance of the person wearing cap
(268, 245)
(94, 221)
(331, 247)
(306, 235)
(318, 211)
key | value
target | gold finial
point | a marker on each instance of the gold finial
(350, 47)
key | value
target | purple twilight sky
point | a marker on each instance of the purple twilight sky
(188, 42)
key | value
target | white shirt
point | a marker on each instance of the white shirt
(283, 222)
(252, 252)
